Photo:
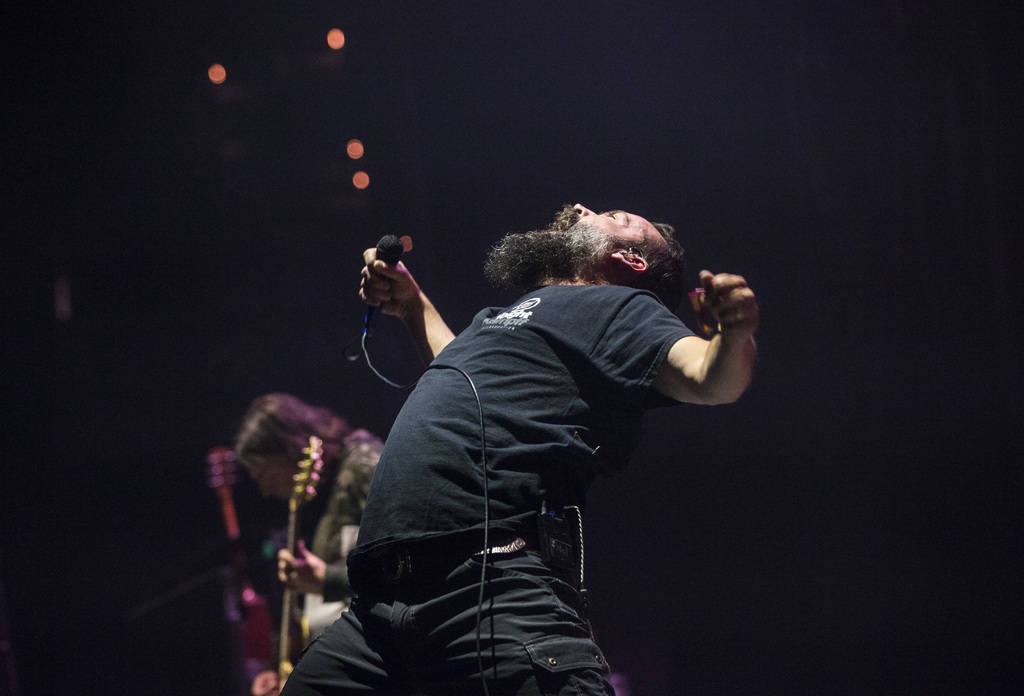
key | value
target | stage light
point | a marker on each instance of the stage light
(217, 73)
(360, 180)
(336, 39)
(355, 148)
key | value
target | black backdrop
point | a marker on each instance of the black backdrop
(850, 526)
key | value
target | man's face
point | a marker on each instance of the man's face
(579, 244)
(273, 474)
(626, 227)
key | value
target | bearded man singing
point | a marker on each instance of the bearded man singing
(468, 571)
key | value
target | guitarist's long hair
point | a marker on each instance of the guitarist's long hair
(281, 424)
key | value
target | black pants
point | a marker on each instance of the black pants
(422, 641)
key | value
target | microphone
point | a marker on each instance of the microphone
(389, 250)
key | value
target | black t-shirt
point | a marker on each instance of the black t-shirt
(563, 376)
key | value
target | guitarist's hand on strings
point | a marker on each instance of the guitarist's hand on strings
(266, 683)
(305, 574)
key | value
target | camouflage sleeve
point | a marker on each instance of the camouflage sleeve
(348, 496)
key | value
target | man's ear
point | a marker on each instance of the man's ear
(633, 261)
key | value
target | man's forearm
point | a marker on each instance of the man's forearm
(430, 334)
(728, 368)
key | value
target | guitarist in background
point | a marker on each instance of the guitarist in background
(269, 445)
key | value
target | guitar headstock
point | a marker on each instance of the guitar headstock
(308, 475)
(220, 467)
(220, 471)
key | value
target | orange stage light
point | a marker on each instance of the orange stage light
(360, 180)
(217, 73)
(336, 39)
(355, 148)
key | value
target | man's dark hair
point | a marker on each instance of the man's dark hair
(664, 276)
(282, 424)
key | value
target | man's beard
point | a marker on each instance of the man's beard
(525, 260)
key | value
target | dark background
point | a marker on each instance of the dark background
(850, 526)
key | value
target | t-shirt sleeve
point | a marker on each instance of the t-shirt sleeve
(634, 343)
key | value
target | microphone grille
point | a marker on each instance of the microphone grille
(389, 249)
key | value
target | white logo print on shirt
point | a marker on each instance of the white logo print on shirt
(515, 317)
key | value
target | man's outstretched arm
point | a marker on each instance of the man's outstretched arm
(395, 292)
(719, 370)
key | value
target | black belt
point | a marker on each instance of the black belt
(425, 564)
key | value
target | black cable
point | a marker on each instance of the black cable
(487, 495)
(487, 521)
(366, 354)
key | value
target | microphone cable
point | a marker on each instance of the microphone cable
(485, 553)
(369, 363)
(389, 249)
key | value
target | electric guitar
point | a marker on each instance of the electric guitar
(304, 490)
(246, 610)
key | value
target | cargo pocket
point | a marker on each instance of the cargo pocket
(566, 666)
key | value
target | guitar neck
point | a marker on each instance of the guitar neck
(305, 489)
(284, 654)
(227, 510)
